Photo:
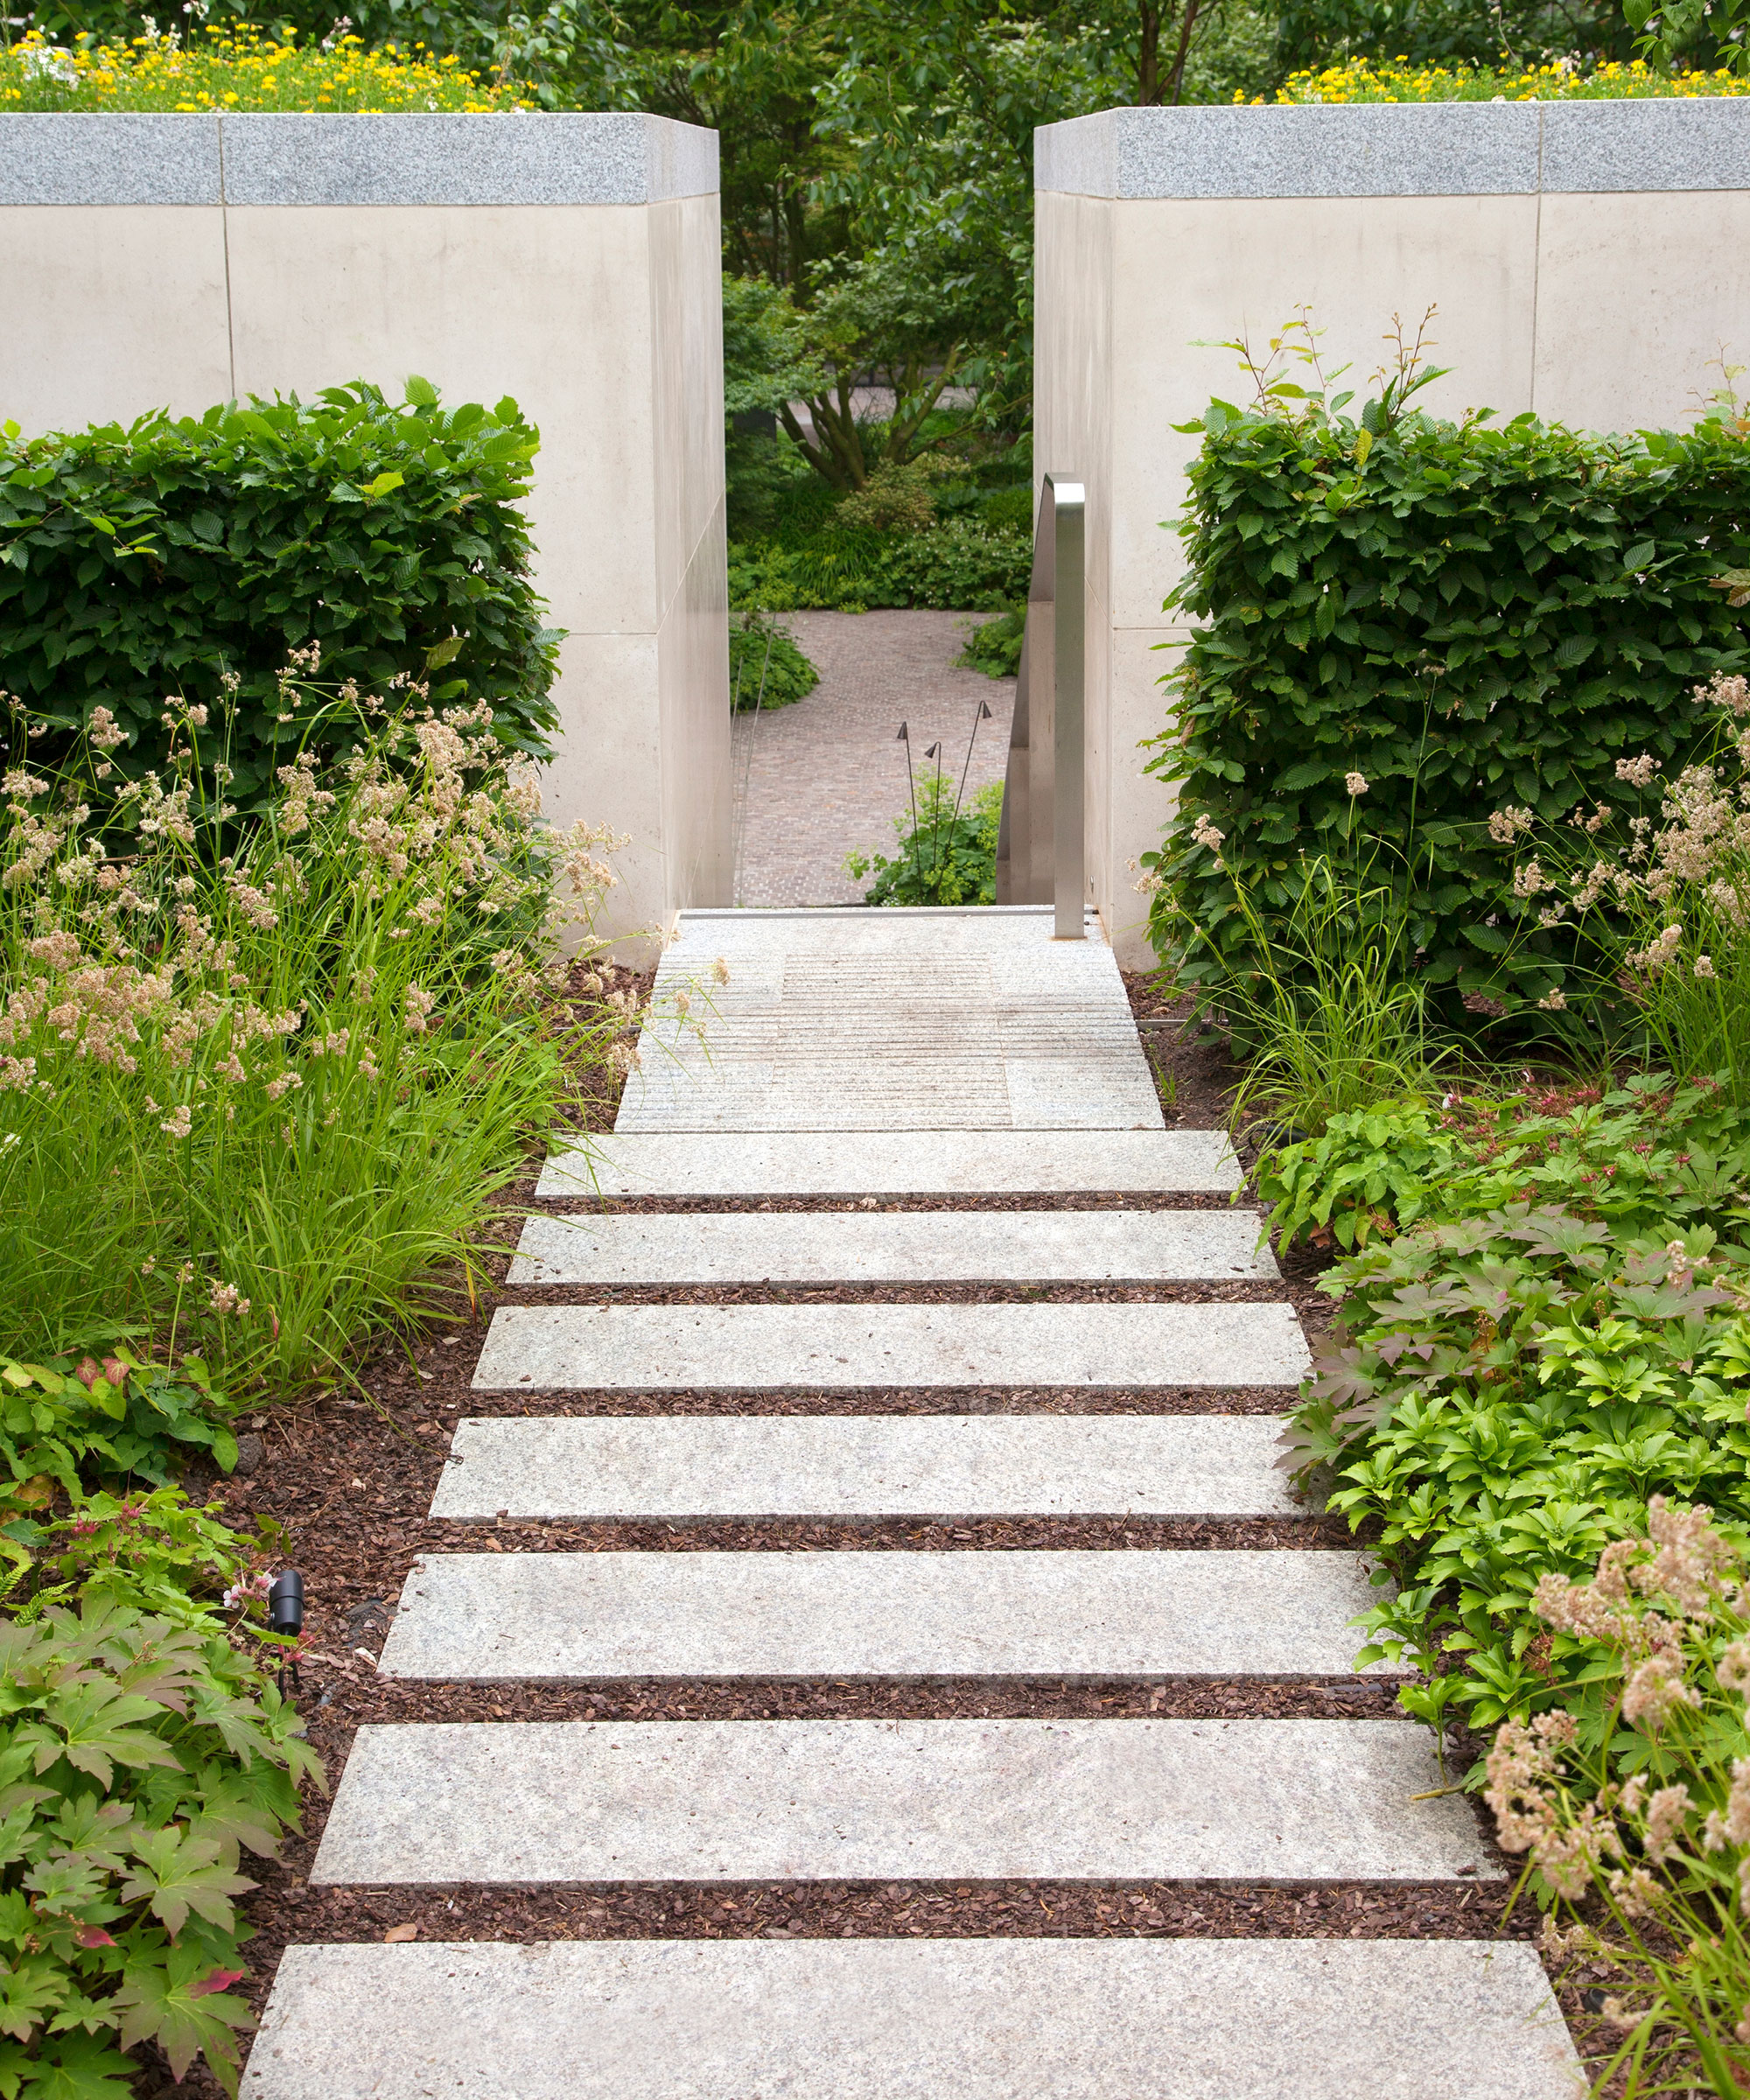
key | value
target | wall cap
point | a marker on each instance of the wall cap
(419, 158)
(1399, 150)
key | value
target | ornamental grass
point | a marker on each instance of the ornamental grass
(261, 1086)
(240, 68)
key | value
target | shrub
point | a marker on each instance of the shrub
(193, 557)
(765, 667)
(994, 646)
(947, 852)
(895, 497)
(961, 564)
(236, 69)
(261, 1100)
(1407, 623)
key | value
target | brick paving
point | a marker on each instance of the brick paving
(816, 780)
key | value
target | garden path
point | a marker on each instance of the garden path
(939, 1410)
(814, 781)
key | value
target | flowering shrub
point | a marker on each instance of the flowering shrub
(1373, 81)
(238, 67)
(262, 1093)
(1457, 617)
(193, 556)
(1642, 1801)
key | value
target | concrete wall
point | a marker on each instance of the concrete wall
(569, 261)
(1587, 259)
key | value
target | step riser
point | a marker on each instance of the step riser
(628, 1467)
(757, 1164)
(943, 1247)
(765, 1348)
(706, 1801)
(590, 1617)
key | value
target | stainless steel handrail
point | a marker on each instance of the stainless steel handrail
(1041, 850)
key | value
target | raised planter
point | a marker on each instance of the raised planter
(1586, 259)
(571, 261)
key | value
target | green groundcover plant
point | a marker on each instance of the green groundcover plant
(1406, 624)
(257, 1099)
(947, 852)
(1557, 1331)
(765, 667)
(193, 557)
(144, 1749)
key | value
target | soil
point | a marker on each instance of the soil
(350, 1476)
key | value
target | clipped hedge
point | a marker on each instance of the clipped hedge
(139, 562)
(1467, 617)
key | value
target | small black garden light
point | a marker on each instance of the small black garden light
(285, 1614)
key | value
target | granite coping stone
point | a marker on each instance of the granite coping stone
(409, 158)
(576, 1802)
(915, 2019)
(1399, 150)
(749, 1349)
(587, 1467)
(497, 1617)
(894, 1163)
(904, 1247)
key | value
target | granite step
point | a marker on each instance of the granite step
(758, 1163)
(746, 1348)
(924, 1019)
(583, 1617)
(628, 1467)
(904, 1247)
(440, 1805)
(916, 2019)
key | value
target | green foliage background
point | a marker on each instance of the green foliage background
(1466, 616)
(141, 563)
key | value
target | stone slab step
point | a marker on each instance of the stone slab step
(916, 2019)
(748, 1348)
(584, 1802)
(581, 1617)
(861, 1020)
(900, 1247)
(864, 1466)
(757, 1164)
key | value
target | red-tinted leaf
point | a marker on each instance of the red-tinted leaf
(93, 1935)
(220, 1979)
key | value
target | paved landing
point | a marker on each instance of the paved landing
(752, 1348)
(864, 1466)
(889, 1020)
(916, 2019)
(580, 1802)
(896, 1247)
(757, 1164)
(580, 1617)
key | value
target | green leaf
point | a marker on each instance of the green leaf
(175, 2006)
(176, 1873)
(82, 2067)
(421, 392)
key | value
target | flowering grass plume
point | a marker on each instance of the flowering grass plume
(1647, 1820)
(1663, 889)
(259, 1083)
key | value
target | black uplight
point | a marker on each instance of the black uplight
(285, 1615)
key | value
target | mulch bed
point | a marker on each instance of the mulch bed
(351, 1475)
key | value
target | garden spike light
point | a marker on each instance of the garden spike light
(285, 1614)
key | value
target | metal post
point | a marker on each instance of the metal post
(1039, 851)
(1068, 764)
